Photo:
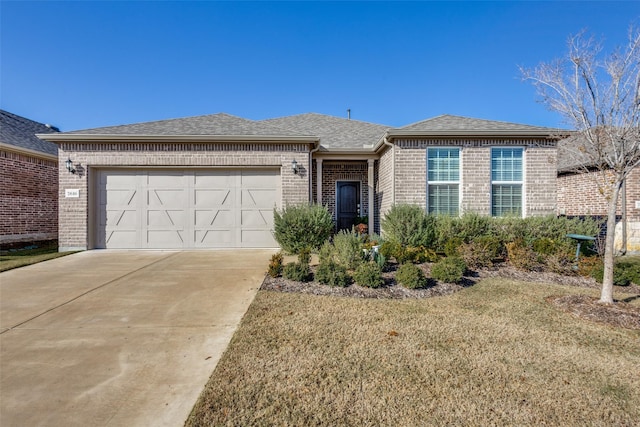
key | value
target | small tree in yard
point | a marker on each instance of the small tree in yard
(599, 96)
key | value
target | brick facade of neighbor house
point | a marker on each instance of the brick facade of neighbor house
(539, 186)
(90, 157)
(29, 202)
(578, 195)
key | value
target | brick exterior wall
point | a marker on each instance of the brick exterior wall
(578, 195)
(384, 185)
(29, 198)
(539, 188)
(74, 213)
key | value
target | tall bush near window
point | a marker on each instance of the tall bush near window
(506, 181)
(302, 227)
(409, 225)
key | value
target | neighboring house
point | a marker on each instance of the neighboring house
(578, 194)
(29, 176)
(213, 181)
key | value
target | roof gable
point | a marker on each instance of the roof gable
(21, 132)
(334, 132)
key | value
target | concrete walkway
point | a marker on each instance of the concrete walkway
(118, 338)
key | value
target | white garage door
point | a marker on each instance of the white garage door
(170, 209)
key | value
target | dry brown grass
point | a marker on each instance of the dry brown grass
(493, 354)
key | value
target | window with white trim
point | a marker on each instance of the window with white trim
(506, 181)
(443, 180)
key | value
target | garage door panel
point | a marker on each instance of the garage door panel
(256, 218)
(259, 198)
(214, 238)
(214, 218)
(256, 238)
(122, 239)
(259, 179)
(213, 198)
(162, 239)
(121, 218)
(165, 218)
(168, 209)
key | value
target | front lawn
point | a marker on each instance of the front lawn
(496, 353)
(23, 257)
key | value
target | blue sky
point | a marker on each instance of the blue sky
(79, 65)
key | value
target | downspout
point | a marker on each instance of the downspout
(311, 172)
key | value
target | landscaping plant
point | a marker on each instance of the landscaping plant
(332, 274)
(409, 225)
(368, 274)
(449, 270)
(302, 226)
(411, 276)
(275, 265)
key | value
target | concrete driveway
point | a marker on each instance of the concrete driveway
(118, 338)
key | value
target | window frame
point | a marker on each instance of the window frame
(449, 182)
(507, 183)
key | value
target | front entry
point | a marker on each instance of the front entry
(347, 204)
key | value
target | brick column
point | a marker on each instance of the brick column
(319, 181)
(370, 183)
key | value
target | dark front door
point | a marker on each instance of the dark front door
(348, 204)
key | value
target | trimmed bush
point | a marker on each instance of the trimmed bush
(522, 256)
(302, 226)
(408, 225)
(368, 274)
(624, 273)
(275, 265)
(348, 249)
(411, 276)
(481, 252)
(304, 256)
(332, 274)
(452, 247)
(296, 271)
(449, 270)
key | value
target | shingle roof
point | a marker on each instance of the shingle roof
(220, 124)
(334, 132)
(20, 132)
(459, 124)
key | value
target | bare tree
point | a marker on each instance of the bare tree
(598, 95)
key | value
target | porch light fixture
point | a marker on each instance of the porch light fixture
(294, 166)
(69, 166)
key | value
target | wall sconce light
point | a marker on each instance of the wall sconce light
(294, 166)
(69, 165)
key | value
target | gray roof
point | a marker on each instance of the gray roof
(220, 124)
(459, 125)
(334, 132)
(21, 132)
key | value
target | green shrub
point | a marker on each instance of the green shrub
(302, 226)
(408, 225)
(521, 256)
(304, 256)
(380, 259)
(464, 229)
(452, 247)
(332, 274)
(348, 249)
(481, 252)
(368, 274)
(624, 273)
(296, 271)
(411, 276)
(449, 270)
(275, 265)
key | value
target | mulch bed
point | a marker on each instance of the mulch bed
(620, 314)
